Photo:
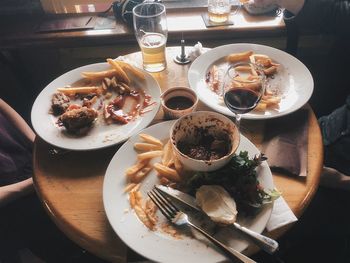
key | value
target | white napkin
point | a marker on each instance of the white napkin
(127, 60)
(281, 215)
(196, 51)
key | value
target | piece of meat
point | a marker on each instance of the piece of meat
(76, 119)
(60, 103)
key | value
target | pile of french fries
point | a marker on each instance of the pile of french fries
(120, 70)
(168, 172)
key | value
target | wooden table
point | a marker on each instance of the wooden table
(70, 185)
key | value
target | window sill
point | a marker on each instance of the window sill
(16, 33)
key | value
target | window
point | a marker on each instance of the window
(75, 6)
(86, 6)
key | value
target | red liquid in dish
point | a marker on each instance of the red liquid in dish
(179, 103)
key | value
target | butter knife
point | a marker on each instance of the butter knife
(267, 244)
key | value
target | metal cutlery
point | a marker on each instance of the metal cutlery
(267, 244)
(179, 218)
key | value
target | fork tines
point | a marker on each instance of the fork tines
(168, 209)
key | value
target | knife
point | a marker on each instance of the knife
(267, 244)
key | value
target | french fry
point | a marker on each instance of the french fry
(129, 187)
(268, 93)
(271, 100)
(121, 75)
(270, 71)
(143, 217)
(150, 139)
(136, 188)
(260, 56)
(167, 172)
(255, 57)
(163, 180)
(253, 77)
(140, 146)
(245, 80)
(79, 90)
(266, 62)
(236, 57)
(150, 206)
(149, 155)
(254, 73)
(135, 168)
(152, 218)
(168, 155)
(178, 165)
(243, 68)
(261, 107)
(132, 199)
(140, 175)
(252, 86)
(99, 75)
(138, 197)
(127, 67)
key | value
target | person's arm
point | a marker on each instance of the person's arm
(14, 191)
(319, 16)
(322, 16)
(292, 6)
(16, 120)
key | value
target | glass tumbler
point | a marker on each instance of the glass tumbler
(219, 10)
(151, 31)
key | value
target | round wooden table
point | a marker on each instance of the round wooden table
(70, 185)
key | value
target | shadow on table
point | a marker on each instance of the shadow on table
(322, 234)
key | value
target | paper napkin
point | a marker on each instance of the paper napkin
(285, 143)
(281, 215)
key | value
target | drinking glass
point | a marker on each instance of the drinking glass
(244, 85)
(219, 10)
(151, 32)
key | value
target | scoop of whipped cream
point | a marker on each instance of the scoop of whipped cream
(216, 202)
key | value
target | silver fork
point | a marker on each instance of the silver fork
(177, 217)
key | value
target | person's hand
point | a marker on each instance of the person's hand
(257, 7)
(293, 6)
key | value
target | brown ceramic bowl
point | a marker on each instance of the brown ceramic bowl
(178, 102)
(195, 130)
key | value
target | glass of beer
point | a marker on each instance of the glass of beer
(219, 10)
(151, 32)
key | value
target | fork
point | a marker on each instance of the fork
(179, 218)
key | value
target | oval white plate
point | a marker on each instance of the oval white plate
(294, 79)
(156, 245)
(101, 135)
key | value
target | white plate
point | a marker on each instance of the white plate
(294, 80)
(156, 245)
(101, 135)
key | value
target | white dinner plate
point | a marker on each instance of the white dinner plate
(101, 135)
(156, 245)
(293, 80)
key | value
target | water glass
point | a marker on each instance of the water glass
(151, 32)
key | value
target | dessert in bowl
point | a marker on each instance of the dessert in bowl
(204, 140)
